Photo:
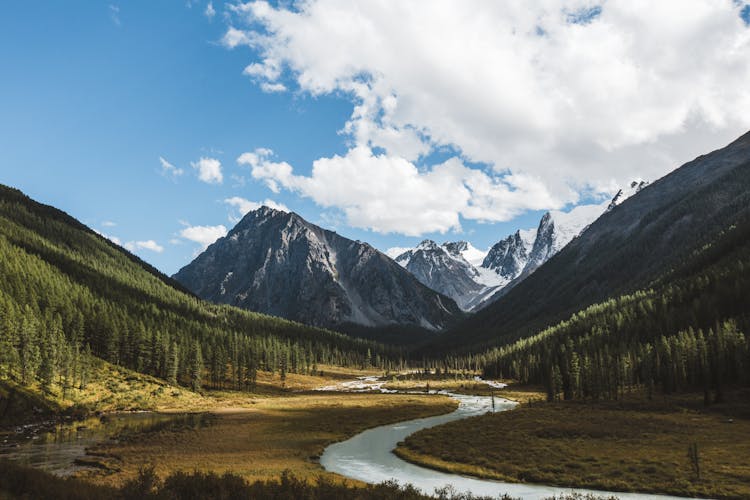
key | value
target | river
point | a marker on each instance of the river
(368, 456)
(61, 448)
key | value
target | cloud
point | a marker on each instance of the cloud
(243, 206)
(210, 12)
(114, 14)
(151, 245)
(108, 223)
(271, 88)
(205, 235)
(209, 170)
(556, 98)
(169, 170)
(390, 194)
(133, 246)
(235, 38)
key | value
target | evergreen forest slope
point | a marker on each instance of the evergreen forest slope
(68, 294)
(650, 235)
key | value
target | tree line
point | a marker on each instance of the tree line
(67, 294)
(685, 333)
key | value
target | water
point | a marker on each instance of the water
(56, 447)
(368, 457)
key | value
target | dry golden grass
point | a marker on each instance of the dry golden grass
(110, 388)
(625, 446)
(263, 436)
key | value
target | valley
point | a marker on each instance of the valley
(633, 444)
(375, 250)
(611, 354)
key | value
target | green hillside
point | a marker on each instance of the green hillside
(67, 294)
(623, 251)
(684, 333)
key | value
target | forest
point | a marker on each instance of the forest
(69, 294)
(687, 332)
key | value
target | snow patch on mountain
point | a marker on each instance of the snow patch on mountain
(472, 277)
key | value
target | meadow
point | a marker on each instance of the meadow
(634, 444)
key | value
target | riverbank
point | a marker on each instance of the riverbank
(111, 388)
(631, 445)
(260, 437)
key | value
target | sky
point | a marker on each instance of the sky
(159, 124)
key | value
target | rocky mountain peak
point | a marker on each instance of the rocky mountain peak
(428, 245)
(278, 263)
(507, 257)
(456, 248)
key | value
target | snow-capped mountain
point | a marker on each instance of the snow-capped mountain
(444, 269)
(278, 263)
(474, 278)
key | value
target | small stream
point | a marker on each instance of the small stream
(368, 456)
(60, 448)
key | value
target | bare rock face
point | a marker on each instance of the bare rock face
(507, 257)
(443, 269)
(277, 263)
(476, 282)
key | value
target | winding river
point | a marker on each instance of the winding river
(368, 457)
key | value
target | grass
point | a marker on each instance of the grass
(262, 437)
(111, 388)
(23, 482)
(631, 445)
(280, 426)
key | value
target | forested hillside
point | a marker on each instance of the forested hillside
(66, 294)
(687, 332)
(623, 251)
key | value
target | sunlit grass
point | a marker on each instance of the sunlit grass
(634, 445)
(261, 437)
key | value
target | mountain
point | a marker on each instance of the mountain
(444, 269)
(474, 278)
(508, 257)
(278, 263)
(628, 247)
(71, 299)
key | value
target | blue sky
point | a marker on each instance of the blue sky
(93, 94)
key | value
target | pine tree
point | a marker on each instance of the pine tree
(196, 367)
(173, 364)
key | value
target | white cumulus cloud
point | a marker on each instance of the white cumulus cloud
(234, 38)
(557, 97)
(204, 235)
(209, 170)
(390, 194)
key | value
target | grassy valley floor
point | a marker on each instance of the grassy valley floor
(630, 445)
(260, 437)
(282, 425)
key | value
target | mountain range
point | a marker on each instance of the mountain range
(474, 278)
(278, 263)
(641, 241)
